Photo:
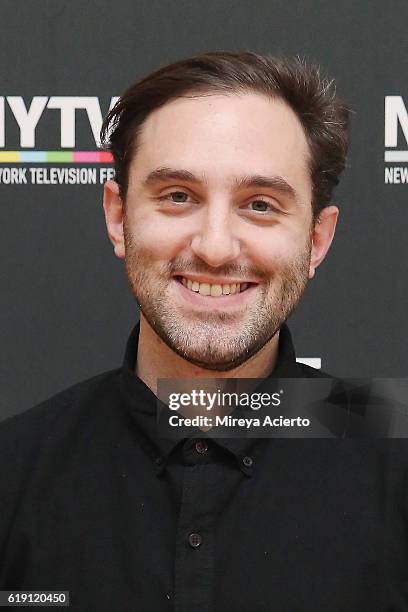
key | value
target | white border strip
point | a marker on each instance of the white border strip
(313, 362)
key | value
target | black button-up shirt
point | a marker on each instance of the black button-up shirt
(94, 502)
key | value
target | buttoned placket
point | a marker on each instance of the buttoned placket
(205, 489)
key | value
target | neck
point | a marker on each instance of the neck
(156, 360)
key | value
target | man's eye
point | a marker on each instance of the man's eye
(175, 196)
(262, 206)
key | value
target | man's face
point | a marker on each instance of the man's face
(219, 194)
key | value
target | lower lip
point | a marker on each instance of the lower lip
(220, 302)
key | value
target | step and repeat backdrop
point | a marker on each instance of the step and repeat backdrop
(66, 308)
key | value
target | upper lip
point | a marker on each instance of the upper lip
(215, 281)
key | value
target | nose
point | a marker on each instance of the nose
(214, 241)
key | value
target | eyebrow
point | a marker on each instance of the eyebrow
(277, 183)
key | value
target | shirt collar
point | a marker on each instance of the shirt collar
(142, 405)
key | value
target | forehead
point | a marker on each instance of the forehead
(223, 137)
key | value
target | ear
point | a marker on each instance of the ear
(114, 216)
(322, 236)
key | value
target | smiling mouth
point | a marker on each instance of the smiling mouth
(213, 290)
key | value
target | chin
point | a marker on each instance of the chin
(211, 342)
(215, 360)
(215, 366)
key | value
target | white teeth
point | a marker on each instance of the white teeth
(214, 290)
(204, 289)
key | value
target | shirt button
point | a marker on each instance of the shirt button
(195, 540)
(201, 446)
(247, 461)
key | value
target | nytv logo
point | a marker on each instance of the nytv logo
(396, 115)
(27, 118)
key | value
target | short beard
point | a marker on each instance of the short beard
(207, 341)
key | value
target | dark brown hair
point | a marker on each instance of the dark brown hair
(313, 98)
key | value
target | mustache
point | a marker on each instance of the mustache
(200, 267)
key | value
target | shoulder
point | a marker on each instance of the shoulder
(37, 445)
(40, 440)
(27, 429)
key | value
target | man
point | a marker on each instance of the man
(225, 166)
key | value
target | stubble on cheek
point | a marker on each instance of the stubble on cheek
(139, 262)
